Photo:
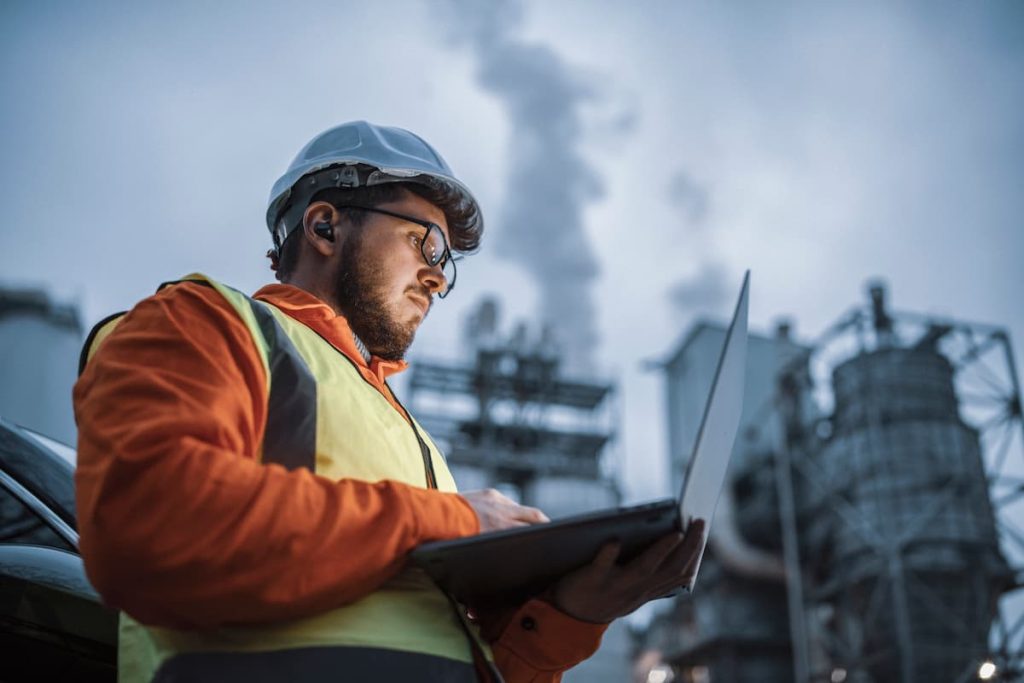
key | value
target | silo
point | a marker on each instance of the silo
(910, 550)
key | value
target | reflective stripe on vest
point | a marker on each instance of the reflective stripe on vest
(345, 419)
(290, 436)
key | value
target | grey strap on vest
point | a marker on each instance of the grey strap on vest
(290, 439)
(290, 436)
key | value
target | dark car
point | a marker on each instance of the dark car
(53, 626)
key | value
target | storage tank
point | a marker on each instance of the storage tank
(902, 518)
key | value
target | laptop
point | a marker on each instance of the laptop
(510, 566)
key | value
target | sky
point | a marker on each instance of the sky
(632, 160)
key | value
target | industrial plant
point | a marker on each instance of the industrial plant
(871, 529)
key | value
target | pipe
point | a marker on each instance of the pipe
(733, 551)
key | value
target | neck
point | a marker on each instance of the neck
(316, 286)
(313, 286)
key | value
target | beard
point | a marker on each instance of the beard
(360, 288)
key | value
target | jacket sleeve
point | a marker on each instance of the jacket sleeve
(180, 524)
(537, 643)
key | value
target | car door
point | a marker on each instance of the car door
(53, 626)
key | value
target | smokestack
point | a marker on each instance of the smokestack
(879, 312)
(784, 329)
(550, 183)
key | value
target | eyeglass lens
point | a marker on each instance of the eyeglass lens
(434, 251)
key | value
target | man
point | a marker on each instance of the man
(249, 486)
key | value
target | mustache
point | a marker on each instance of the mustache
(423, 292)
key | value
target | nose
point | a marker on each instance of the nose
(433, 279)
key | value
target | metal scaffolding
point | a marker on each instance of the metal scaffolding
(510, 415)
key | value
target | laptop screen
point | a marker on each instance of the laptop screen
(709, 462)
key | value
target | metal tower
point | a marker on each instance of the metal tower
(901, 543)
(508, 417)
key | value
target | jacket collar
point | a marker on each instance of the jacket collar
(313, 313)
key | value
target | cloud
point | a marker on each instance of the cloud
(689, 196)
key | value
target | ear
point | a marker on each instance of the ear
(316, 214)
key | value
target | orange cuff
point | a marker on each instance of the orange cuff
(547, 639)
(441, 516)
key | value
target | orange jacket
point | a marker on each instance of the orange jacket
(182, 526)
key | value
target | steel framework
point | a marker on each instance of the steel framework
(987, 390)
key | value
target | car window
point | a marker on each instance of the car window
(20, 524)
(46, 475)
(62, 449)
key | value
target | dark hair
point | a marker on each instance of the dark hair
(465, 224)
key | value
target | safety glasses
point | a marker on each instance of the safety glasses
(433, 246)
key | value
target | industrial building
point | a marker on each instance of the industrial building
(40, 340)
(868, 533)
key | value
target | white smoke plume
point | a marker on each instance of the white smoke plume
(541, 226)
(706, 292)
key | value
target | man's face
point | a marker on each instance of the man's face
(383, 285)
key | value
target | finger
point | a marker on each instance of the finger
(502, 522)
(657, 593)
(685, 554)
(663, 556)
(670, 584)
(667, 585)
(661, 586)
(606, 556)
(534, 515)
(695, 529)
(655, 554)
(527, 514)
(696, 536)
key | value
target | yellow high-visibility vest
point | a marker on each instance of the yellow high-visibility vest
(323, 415)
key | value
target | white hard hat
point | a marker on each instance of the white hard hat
(355, 154)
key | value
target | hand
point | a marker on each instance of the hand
(496, 511)
(604, 591)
